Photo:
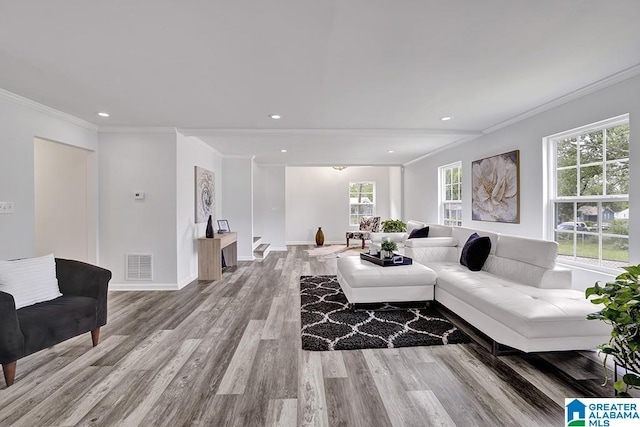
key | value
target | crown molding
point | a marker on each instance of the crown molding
(33, 105)
(326, 132)
(579, 93)
(204, 145)
(443, 148)
(137, 129)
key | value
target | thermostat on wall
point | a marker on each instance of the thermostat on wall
(138, 196)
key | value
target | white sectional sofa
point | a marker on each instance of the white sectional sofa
(519, 299)
(399, 238)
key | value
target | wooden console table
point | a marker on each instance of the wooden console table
(210, 258)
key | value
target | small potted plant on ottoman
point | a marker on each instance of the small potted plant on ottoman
(387, 248)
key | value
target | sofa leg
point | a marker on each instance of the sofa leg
(498, 349)
(9, 370)
(95, 336)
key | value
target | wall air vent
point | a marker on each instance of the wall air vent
(139, 267)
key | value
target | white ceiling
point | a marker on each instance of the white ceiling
(351, 78)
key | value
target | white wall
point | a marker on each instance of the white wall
(62, 200)
(190, 152)
(269, 221)
(138, 162)
(237, 199)
(21, 121)
(421, 179)
(319, 197)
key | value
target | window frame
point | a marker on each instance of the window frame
(442, 194)
(551, 175)
(373, 202)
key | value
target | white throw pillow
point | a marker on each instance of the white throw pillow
(30, 280)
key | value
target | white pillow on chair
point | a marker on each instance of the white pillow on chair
(30, 280)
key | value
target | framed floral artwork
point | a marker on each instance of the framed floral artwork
(496, 188)
(205, 196)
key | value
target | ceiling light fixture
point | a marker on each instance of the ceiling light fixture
(101, 114)
(339, 168)
(390, 151)
(275, 116)
(283, 151)
(446, 118)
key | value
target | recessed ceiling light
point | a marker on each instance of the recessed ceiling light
(390, 151)
(275, 116)
(446, 118)
(283, 151)
(101, 114)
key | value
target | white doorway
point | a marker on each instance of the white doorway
(65, 196)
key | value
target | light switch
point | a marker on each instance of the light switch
(138, 196)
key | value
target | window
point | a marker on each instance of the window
(451, 194)
(589, 193)
(362, 201)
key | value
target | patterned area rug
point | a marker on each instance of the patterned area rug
(329, 324)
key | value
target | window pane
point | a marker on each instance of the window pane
(354, 209)
(567, 179)
(565, 243)
(615, 249)
(618, 142)
(567, 153)
(448, 194)
(591, 181)
(587, 216)
(615, 216)
(455, 195)
(591, 147)
(366, 210)
(447, 176)
(587, 248)
(618, 178)
(564, 214)
(455, 177)
(354, 220)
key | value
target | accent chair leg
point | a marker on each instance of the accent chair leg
(347, 242)
(9, 370)
(362, 243)
(95, 336)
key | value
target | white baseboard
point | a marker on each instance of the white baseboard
(187, 281)
(143, 287)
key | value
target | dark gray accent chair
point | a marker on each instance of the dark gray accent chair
(81, 308)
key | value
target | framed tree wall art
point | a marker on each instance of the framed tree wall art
(495, 188)
(205, 194)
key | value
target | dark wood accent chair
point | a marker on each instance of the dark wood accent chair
(81, 308)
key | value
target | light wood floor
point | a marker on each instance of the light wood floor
(228, 353)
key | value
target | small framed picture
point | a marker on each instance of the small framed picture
(223, 226)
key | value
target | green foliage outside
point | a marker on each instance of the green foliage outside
(587, 247)
(586, 154)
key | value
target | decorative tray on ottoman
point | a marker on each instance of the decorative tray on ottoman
(387, 262)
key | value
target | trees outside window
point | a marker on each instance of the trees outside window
(590, 193)
(361, 201)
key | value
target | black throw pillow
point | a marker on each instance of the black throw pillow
(419, 233)
(475, 252)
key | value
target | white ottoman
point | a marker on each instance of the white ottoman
(365, 282)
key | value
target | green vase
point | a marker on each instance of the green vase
(319, 237)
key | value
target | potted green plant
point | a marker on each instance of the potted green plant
(388, 247)
(393, 226)
(621, 300)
